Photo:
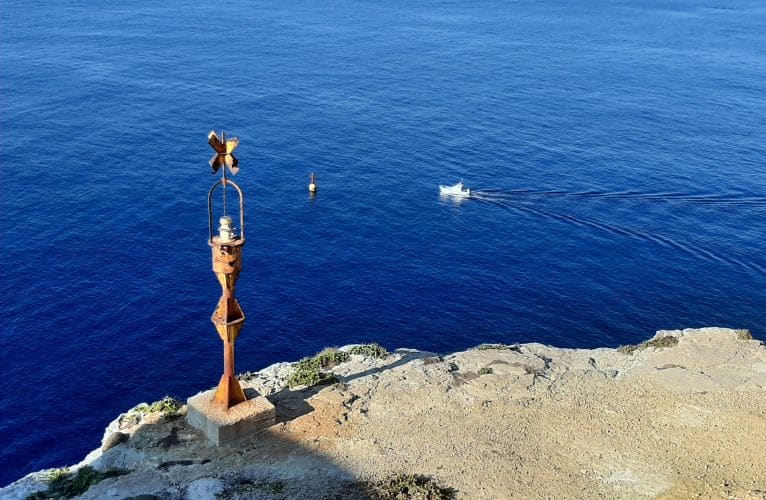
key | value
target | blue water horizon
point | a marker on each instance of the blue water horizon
(616, 151)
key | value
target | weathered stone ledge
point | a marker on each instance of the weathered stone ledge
(679, 416)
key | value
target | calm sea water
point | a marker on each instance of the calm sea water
(617, 149)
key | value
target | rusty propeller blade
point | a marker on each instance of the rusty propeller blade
(223, 156)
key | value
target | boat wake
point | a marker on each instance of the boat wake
(671, 197)
(517, 201)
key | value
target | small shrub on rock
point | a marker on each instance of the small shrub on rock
(303, 376)
(54, 475)
(627, 349)
(662, 342)
(326, 359)
(310, 371)
(373, 350)
(64, 484)
(667, 341)
(167, 406)
(486, 370)
(498, 347)
(487, 347)
(744, 335)
(410, 486)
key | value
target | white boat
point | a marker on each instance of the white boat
(458, 190)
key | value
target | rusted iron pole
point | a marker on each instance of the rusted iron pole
(226, 248)
(228, 317)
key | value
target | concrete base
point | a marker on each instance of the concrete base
(223, 426)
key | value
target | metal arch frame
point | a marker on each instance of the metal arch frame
(224, 182)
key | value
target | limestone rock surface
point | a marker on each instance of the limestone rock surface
(531, 421)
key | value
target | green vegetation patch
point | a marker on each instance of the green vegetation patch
(326, 359)
(667, 341)
(167, 406)
(486, 370)
(312, 371)
(410, 486)
(309, 370)
(497, 347)
(310, 378)
(54, 475)
(64, 484)
(373, 350)
(744, 334)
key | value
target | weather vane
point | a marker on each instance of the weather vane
(228, 317)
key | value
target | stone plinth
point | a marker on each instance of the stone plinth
(224, 426)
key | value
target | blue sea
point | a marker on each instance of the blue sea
(616, 150)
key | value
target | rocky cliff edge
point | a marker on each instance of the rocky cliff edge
(679, 416)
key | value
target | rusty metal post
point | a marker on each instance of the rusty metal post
(228, 317)
(226, 248)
